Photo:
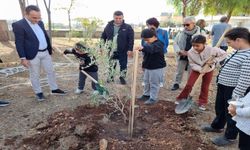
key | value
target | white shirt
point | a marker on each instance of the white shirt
(39, 34)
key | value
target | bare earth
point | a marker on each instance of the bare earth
(66, 122)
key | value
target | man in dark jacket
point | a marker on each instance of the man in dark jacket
(122, 37)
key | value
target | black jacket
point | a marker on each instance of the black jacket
(88, 62)
(153, 56)
(125, 39)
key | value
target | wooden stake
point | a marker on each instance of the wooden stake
(133, 93)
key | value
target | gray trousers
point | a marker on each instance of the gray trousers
(152, 79)
(181, 65)
(42, 59)
(82, 79)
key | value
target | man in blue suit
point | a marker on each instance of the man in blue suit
(34, 49)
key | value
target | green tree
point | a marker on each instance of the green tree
(228, 7)
(186, 7)
(89, 26)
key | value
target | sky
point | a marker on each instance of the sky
(135, 11)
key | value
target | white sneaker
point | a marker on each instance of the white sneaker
(202, 107)
(161, 84)
(95, 92)
(78, 91)
(176, 103)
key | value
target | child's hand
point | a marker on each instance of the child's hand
(67, 51)
(210, 62)
(232, 110)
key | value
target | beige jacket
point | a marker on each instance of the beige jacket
(198, 60)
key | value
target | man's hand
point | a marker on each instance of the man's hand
(183, 53)
(25, 63)
(130, 54)
(232, 110)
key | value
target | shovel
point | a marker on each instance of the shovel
(185, 104)
(99, 87)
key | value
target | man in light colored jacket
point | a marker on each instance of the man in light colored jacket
(182, 44)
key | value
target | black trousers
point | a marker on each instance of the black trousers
(224, 93)
(244, 141)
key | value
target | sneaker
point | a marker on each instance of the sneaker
(95, 92)
(40, 97)
(175, 87)
(78, 91)
(143, 98)
(176, 102)
(4, 103)
(58, 92)
(222, 141)
(122, 81)
(161, 84)
(150, 101)
(208, 128)
(202, 107)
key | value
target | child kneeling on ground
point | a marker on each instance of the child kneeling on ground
(198, 57)
(153, 63)
(87, 64)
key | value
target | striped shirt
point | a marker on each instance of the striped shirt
(236, 72)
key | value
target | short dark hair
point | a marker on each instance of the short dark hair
(238, 32)
(118, 13)
(199, 39)
(148, 33)
(30, 8)
(153, 21)
(223, 19)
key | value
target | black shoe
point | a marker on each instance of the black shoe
(4, 103)
(40, 97)
(150, 102)
(222, 141)
(143, 98)
(175, 87)
(122, 81)
(58, 92)
(208, 128)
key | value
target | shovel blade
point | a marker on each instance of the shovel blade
(183, 106)
(101, 90)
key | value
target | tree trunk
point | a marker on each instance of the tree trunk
(22, 6)
(4, 31)
(229, 14)
(47, 6)
(70, 28)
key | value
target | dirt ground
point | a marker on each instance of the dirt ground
(69, 122)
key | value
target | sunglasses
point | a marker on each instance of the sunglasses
(186, 25)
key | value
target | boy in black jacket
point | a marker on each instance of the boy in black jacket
(87, 63)
(153, 63)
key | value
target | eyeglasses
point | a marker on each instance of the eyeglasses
(186, 25)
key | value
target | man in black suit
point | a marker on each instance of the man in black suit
(34, 49)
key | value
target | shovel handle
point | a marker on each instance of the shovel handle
(71, 61)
